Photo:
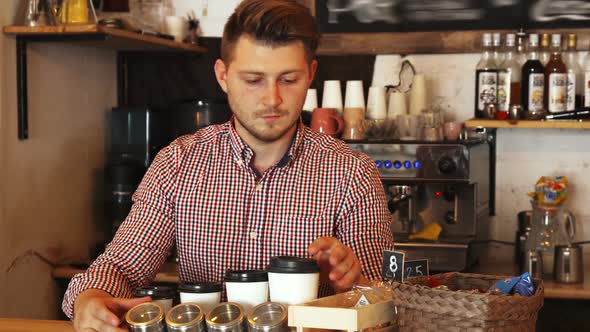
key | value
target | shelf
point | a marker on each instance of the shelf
(522, 124)
(91, 35)
(101, 37)
(426, 42)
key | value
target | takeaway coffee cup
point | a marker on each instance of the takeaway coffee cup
(160, 294)
(206, 294)
(248, 288)
(293, 280)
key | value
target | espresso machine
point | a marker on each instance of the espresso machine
(447, 183)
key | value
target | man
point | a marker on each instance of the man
(233, 195)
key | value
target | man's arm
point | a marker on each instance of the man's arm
(142, 242)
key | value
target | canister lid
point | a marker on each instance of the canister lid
(224, 315)
(185, 315)
(145, 314)
(267, 315)
(291, 264)
(246, 276)
(155, 292)
(199, 287)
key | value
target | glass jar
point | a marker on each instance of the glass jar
(146, 317)
(186, 317)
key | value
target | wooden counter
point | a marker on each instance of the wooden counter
(34, 325)
(553, 290)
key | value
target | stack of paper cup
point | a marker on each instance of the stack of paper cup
(355, 96)
(332, 97)
(376, 103)
(397, 105)
(311, 100)
(418, 95)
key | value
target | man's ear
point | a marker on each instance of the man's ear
(221, 74)
(312, 69)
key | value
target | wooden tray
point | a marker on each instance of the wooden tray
(337, 312)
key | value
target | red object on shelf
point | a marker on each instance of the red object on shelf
(501, 115)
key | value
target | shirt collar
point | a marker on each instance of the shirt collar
(245, 154)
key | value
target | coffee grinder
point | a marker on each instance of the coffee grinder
(436, 182)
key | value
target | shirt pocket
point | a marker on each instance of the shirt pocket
(292, 235)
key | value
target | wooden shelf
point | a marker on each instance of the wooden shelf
(521, 124)
(427, 42)
(102, 37)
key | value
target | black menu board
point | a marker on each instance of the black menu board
(437, 15)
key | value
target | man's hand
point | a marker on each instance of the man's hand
(97, 310)
(340, 266)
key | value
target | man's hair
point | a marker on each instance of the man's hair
(273, 23)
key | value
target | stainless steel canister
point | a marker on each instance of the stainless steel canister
(186, 317)
(226, 317)
(146, 317)
(568, 266)
(533, 264)
(268, 317)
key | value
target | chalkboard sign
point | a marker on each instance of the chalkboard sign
(416, 268)
(393, 265)
(337, 16)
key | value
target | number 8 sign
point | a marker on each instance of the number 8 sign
(393, 265)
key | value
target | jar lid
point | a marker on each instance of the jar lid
(145, 314)
(245, 276)
(155, 292)
(267, 315)
(200, 287)
(224, 315)
(184, 315)
(291, 264)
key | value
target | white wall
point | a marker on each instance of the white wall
(523, 155)
(48, 184)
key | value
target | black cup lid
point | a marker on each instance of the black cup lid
(199, 287)
(291, 264)
(245, 276)
(155, 292)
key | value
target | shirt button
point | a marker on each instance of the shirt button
(239, 162)
(259, 186)
(253, 235)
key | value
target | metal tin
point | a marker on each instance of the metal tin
(268, 317)
(568, 266)
(226, 317)
(146, 317)
(186, 317)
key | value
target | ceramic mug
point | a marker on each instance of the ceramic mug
(327, 121)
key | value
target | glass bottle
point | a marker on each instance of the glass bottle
(533, 78)
(486, 77)
(586, 82)
(521, 55)
(555, 96)
(545, 54)
(575, 78)
(509, 77)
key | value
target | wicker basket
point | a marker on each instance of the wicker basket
(421, 308)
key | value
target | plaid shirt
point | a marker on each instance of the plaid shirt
(201, 195)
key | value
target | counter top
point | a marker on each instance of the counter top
(29, 325)
(553, 290)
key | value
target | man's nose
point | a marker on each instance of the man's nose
(273, 96)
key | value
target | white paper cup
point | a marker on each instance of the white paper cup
(418, 95)
(293, 280)
(248, 288)
(176, 26)
(206, 294)
(160, 294)
(332, 95)
(397, 105)
(376, 103)
(311, 100)
(354, 96)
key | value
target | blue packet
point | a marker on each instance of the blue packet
(525, 286)
(504, 286)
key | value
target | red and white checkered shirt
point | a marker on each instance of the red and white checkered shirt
(201, 195)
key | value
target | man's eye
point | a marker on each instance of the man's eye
(289, 80)
(253, 81)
